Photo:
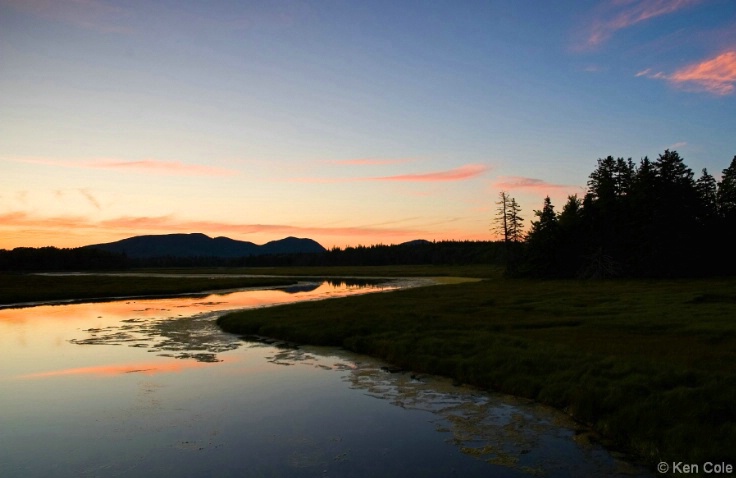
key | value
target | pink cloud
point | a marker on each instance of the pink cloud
(175, 168)
(458, 174)
(519, 182)
(716, 75)
(616, 15)
(462, 173)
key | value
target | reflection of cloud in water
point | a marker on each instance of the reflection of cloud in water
(145, 368)
(499, 429)
(196, 337)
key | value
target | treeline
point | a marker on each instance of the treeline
(55, 259)
(651, 219)
(410, 253)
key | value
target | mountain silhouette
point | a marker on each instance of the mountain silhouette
(201, 245)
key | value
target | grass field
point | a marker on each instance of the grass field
(651, 365)
(17, 288)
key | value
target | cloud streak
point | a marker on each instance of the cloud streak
(132, 225)
(469, 171)
(617, 15)
(533, 184)
(715, 75)
(146, 166)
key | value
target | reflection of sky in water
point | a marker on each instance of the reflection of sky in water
(130, 388)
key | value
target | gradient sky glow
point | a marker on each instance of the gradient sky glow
(350, 122)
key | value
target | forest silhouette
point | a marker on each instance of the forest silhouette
(651, 219)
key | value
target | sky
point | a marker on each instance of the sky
(348, 122)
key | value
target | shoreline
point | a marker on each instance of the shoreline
(585, 349)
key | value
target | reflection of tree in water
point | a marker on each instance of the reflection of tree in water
(301, 287)
(352, 282)
(196, 337)
(349, 283)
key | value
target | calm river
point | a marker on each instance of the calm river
(151, 387)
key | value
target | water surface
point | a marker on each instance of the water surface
(151, 387)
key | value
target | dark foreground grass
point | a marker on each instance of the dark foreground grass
(650, 365)
(16, 288)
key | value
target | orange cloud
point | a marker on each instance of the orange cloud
(21, 219)
(716, 75)
(169, 223)
(458, 174)
(519, 182)
(131, 225)
(619, 14)
(143, 166)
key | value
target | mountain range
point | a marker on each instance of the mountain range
(201, 245)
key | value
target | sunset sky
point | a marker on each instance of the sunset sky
(349, 122)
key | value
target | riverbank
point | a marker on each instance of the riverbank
(25, 288)
(651, 365)
(33, 288)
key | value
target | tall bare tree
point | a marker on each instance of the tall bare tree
(502, 216)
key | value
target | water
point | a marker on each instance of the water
(154, 388)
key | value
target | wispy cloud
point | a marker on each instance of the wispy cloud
(147, 166)
(22, 219)
(468, 171)
(170, 223)
(132, 225)
(615, 15)
(520, 182)
(716, 75)
(90, 198)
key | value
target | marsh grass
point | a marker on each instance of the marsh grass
(18, 288)
(649, 364)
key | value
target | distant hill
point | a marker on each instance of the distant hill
(201, 245)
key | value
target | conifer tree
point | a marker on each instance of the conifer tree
(726, 195)
(514, 221)
(707, 198)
